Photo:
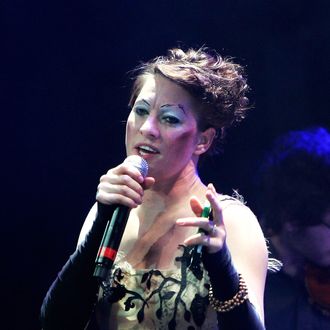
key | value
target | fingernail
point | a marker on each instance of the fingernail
(140, 178)
(180, 222)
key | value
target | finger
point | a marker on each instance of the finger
(110, 199)
(198, 239)
(148, 182)
(212, 197)
(112, 179)
(121, 189)
(130, 170)
(202, 223)
(212, 244)
(196, 206)
(211, 186)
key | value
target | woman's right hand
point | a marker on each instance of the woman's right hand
(123, 185)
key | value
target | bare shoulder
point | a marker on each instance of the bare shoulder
(248, 248)
(242, 219)
(245, 238)
(240, 222)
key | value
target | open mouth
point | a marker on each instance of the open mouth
(146, 150)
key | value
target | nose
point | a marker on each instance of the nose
(149, 128)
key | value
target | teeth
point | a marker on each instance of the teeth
(147, 149)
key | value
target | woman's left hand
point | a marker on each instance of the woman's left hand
(213, 236)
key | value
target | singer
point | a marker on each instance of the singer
(181, 106)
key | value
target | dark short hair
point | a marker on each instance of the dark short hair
(294, 180)
(217, 84)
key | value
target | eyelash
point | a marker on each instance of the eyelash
(171, 120)
(141, 111)
(168, 119)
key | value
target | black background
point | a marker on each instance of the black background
(64, 91)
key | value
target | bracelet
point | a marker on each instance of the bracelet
(228, 305)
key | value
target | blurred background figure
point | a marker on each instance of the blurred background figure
(294, 208)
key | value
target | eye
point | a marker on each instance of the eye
(141, 111)
(172, 120)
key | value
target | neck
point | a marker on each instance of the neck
(173, 192)
(179, 185)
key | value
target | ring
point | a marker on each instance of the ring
(206, 239)
(212, 231)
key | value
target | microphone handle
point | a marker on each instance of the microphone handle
(110, 242)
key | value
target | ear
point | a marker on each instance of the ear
(205, 140)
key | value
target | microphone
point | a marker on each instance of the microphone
(115, 228)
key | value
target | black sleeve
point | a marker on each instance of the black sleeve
(70, 300)
(225, 282)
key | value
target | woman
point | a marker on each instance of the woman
(181, 105)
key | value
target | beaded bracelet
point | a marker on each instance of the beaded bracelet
(228, 305)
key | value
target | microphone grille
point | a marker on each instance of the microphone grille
(139, 163)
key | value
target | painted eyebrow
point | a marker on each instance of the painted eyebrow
(180, 106)
(143, 101)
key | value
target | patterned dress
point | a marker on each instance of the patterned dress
(160, 299)
(155, 299)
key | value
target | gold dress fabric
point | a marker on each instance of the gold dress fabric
(158, 299)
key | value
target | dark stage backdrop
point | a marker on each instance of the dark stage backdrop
(64, 91)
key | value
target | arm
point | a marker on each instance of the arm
(70, 300)
(233, 244)
(244, 252)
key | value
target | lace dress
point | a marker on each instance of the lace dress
(155, 299)
(160, 299)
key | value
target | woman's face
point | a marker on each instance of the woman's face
(162, 127)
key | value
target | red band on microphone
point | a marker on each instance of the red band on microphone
(108, 253)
